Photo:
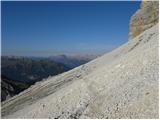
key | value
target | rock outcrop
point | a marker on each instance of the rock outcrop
(144, 18)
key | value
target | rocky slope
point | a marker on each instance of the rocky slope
(144, 18)
(120, 84)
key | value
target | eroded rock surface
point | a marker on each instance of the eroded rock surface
(144, 18)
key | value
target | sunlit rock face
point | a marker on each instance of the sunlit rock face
(144, 18)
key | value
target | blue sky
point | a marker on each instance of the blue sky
(49, 28)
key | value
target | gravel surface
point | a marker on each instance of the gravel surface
(120, 84)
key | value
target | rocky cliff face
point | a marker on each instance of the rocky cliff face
(144, 18)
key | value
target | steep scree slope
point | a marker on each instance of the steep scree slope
(120, 84)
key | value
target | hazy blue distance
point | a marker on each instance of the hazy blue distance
(49, 28)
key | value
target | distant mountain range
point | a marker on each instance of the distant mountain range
(28, 70)
(18, 73)
(72, 61)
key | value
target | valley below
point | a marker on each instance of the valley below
(19, 73)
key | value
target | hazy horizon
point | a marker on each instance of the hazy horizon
(70, 28)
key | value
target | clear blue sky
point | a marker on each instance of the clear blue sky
(48, 28)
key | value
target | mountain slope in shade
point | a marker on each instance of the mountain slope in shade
(120, 84)
(30, 71)
(9, 87)
(18, 73)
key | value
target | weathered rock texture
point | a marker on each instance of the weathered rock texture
(144, 18)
